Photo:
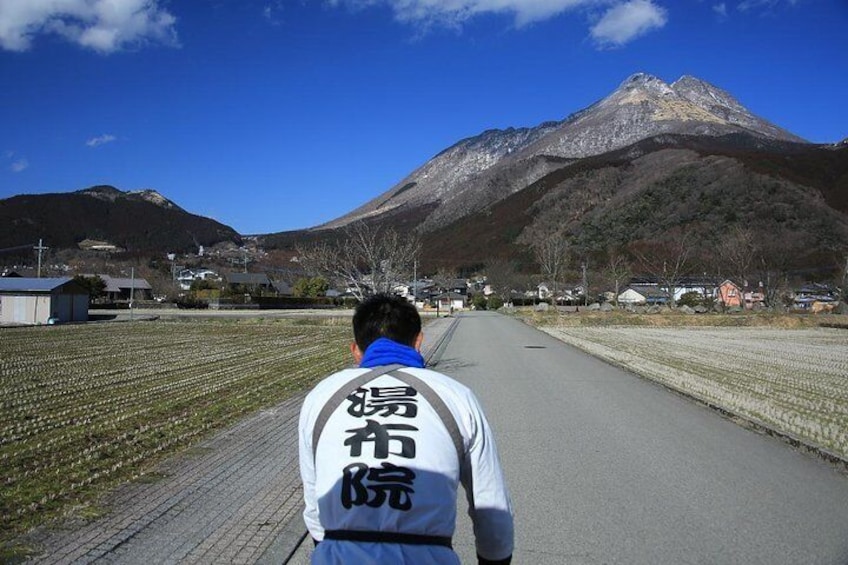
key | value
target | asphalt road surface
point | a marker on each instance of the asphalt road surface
(606, 467)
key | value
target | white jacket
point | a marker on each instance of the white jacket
(385, 462)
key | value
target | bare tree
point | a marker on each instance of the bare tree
(368, 258)
(552, 251)
(666, 261)
(503, 278)
(443, 278)
(738, 251)
(618, 270)
(777, 258)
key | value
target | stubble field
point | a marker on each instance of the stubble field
(794, 381)
(85, 407)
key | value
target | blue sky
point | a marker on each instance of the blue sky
(271, 115)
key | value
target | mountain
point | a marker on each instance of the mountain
(136, 221)
(481, 170)
(648, 160)
(792, 197)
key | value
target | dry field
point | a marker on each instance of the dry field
(792, 380)
(84, 407)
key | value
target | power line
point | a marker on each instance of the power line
(19, 247)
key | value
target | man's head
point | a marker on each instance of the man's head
(388, 316)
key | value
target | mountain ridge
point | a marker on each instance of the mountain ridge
(137, 221)
(482, 169)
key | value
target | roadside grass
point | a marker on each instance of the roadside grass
(86, 407)
(781, 372)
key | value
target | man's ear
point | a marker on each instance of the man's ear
(356, 352)
(419, 339)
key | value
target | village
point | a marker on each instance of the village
(28, 300)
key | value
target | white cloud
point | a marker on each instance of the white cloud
(624, 21)
(627, 21)
(101, 140)
(271, 12)
(102, 25)
(764, 6)
(17, 163)
(453, 13)
(720, 9)
(20, 164)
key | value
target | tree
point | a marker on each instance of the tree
(618, 270)
(667, 261)
(95, 286)
(310, 287)
(737, 251)
(202, 284)
(443, 278)
(368, 258)
(478, 301)
(778, 256)
(503, 278)
(551, 250)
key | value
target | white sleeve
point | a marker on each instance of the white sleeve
(489, 504)
(307, 471)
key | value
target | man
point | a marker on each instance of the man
(383, 448)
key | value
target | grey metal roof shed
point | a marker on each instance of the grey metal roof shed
(31, 301)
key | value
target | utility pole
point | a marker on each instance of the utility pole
(132, 290)
(585, 285)
(40, 250)
(843, 292)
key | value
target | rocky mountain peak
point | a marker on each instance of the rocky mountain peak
(102, 192)
(111, 194)
(150, 195)
(708, 97)
(479, 170)
(645, 81)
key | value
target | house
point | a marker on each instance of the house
(568, 297)
(641, 295)
(416, 291)
(283, 288)
(187, 276)
(449, 301)
(731, 295)
(706, 287)
(42, 301)
(458, 286)
(251, 282)
(124, 289)
(815, 297)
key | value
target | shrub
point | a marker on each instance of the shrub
(478, 301)
(690, 299)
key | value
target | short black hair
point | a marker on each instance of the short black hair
(385, 315)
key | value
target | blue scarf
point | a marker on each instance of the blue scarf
(384, 351)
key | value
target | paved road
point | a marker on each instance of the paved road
(603, 466)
